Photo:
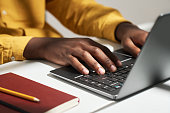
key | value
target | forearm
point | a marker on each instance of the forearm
(35, 48)
(86, 17)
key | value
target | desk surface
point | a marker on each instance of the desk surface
(154, 100)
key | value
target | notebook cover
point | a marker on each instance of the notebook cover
(49, 97)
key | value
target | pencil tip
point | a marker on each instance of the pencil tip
(36, 99)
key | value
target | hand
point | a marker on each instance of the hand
(131, 37)
(69, 51)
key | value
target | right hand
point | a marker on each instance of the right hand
(132, 38)
(68, 51)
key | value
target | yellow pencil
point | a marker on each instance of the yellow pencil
(17, 94)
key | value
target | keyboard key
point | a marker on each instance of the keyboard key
(82, 79)
(123, 71)
(113, 75)
(124, 75)
(113, 84)
(93, 82)
(88, 80)
(99, 85)
(105, 81)
(119, 77)
(105, 87)
(113, 79)
(118, 73)
(87, 76)
(121, 80)
(120, 68)
(117, 86)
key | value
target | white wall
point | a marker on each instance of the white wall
(137, 11)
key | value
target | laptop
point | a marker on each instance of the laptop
(151, 67)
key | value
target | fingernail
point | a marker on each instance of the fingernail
(85, 71)
(101, 70)
(138, 53)
(119, 63)
(113, 68)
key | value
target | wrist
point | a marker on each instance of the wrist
(34, 49)
(123, 29)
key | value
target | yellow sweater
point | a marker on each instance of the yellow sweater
(20, 20)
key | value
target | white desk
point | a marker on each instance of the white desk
(154, 100)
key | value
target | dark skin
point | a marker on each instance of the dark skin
(69, 51)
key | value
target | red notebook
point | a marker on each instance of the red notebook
(51, 100)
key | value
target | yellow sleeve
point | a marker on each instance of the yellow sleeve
(12, 47)
(86, 17)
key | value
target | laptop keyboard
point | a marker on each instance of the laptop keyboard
(110, 81)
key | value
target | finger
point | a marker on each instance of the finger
(113, 57)
(90, 61)
(103, 58)
(130, 47)
(140, 37)
(77, 65)
(108, 53)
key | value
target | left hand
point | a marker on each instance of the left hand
(131, 37)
